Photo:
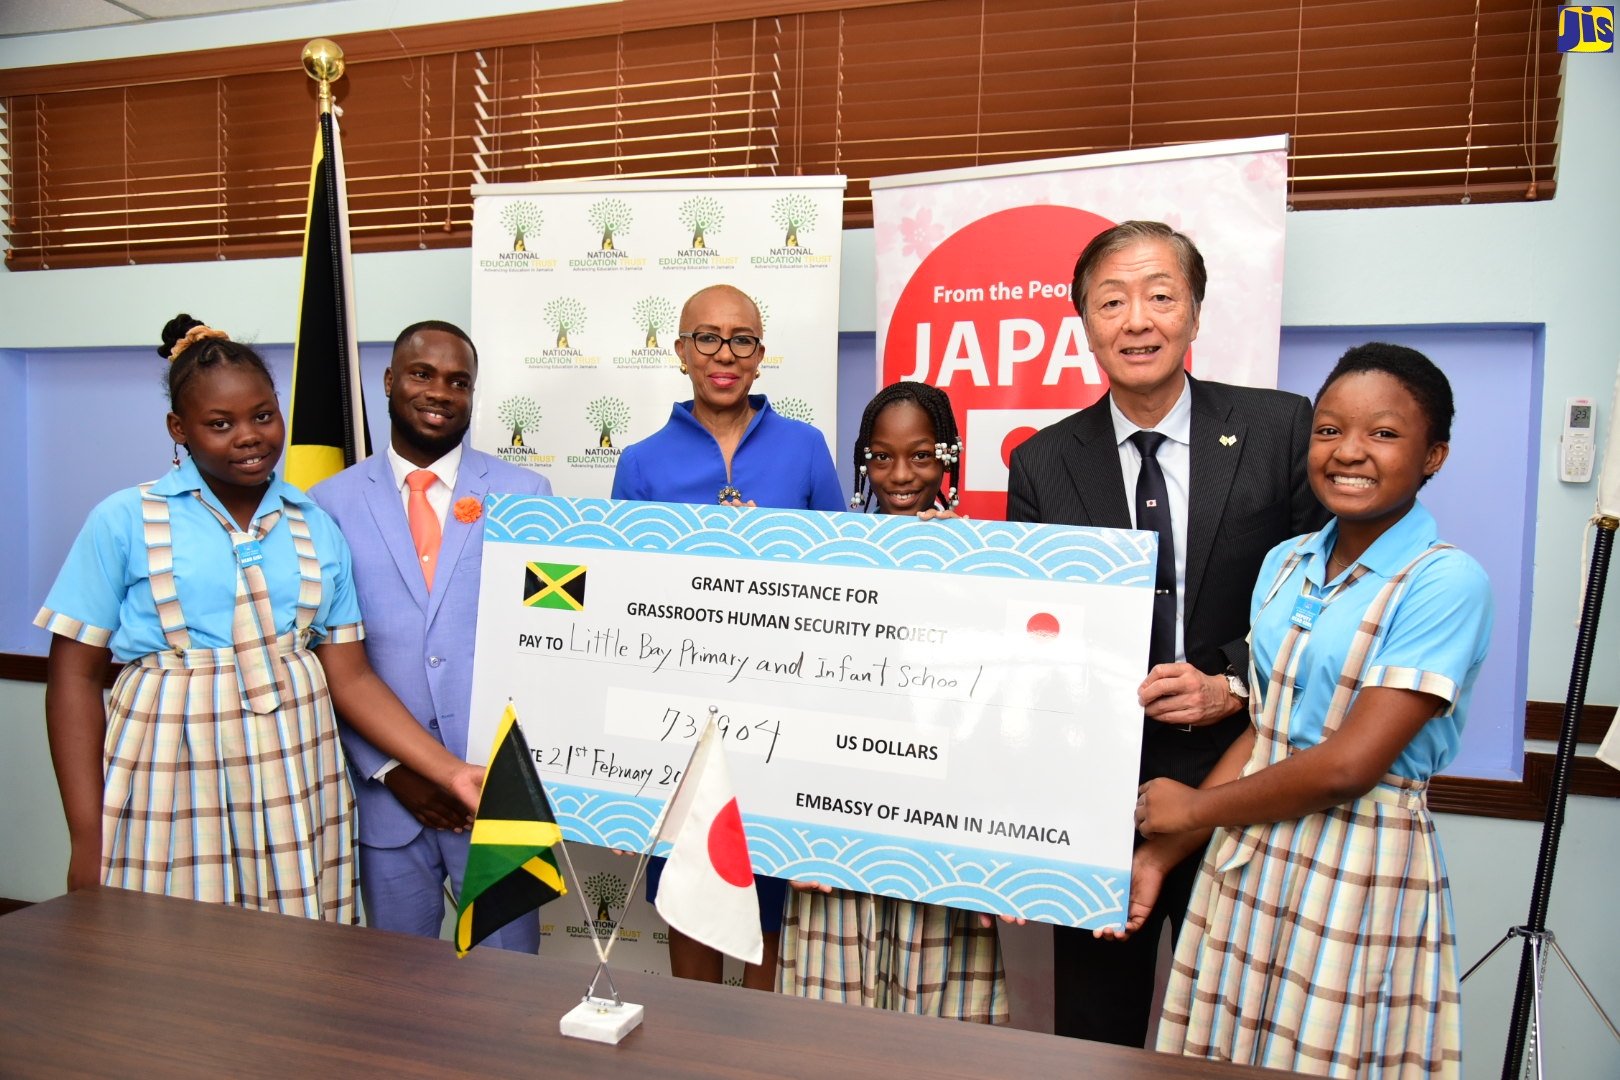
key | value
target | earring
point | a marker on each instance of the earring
(683, 367)
(177, 455)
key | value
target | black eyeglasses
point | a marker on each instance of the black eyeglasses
(742, 345)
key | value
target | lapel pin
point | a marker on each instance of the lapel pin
(1228, 440)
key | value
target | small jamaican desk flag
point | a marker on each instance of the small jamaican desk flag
(510, 867)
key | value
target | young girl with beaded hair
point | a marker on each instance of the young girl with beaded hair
(880, 951)
(908, 455)
(214, 771)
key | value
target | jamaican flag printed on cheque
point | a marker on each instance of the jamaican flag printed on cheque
(554, 585)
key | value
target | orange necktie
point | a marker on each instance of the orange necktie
(425, 527)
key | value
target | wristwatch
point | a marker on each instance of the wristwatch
(1238, 688)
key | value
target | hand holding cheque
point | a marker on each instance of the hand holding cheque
(944, 711)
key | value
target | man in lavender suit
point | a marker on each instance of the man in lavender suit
(419, 637)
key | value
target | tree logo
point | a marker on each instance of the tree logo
(609, 416)
(655, 315)
(764, 313)
(611, 218)
(563, 315)
(702, 214)
(522, 219)
(794, 212)
(795, 409)
(520, 414)
(606, 891)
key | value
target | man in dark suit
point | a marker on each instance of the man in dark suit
(1221, 470)
(412, 517)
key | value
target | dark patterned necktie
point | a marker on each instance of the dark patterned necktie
(1153, 514)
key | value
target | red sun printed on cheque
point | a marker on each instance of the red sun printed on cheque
(1042, 625)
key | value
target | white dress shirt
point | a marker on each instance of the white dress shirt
(446, 469)
(1175, 459)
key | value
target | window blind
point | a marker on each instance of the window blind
(1387, 103)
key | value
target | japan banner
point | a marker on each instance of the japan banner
(975, 268)
(707, 891)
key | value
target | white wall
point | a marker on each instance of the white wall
(1552, 263)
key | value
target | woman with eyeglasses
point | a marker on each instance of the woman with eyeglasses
(730, 447)
(727, 445)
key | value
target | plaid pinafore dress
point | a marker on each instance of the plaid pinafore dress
(888, 953)
(208, 800)
(1322, 945)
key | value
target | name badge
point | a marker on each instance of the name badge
(1306, 609)
(248, 553)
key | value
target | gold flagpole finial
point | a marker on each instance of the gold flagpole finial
(323, 60)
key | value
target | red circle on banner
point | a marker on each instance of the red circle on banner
(1042, 625)
(728, 847)
(987, 318)
(1015, 438)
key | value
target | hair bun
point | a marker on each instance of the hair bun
(173, 331)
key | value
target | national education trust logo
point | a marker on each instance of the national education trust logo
(566, 316)
(521, 220)
(795, 409)
(606, 891)
(1586, 29)
(612, 219)
(703, 216)
(654, 320)
(771, 360)
(521, 415)
(607, 417)
(796, 215)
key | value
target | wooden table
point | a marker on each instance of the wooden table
(123, 984)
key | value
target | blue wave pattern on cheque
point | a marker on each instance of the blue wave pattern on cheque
(956, 876)
(988, 548)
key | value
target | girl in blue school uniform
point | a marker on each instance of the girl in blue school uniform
(1319, 937)
(214, 770)
(880, 951)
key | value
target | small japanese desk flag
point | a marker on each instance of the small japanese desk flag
(707, 891)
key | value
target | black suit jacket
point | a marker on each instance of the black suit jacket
(1246, 495)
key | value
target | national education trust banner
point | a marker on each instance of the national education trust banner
(940, 711)
(577, 288)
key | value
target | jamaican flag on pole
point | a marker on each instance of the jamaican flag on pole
(326, 424)
(510, 867)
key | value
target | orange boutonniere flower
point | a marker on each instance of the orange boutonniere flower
(469, 510)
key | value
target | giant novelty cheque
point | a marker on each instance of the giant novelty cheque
(942, 711)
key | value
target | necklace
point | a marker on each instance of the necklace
(1333, 560)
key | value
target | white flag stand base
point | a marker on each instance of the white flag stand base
(601, 1020)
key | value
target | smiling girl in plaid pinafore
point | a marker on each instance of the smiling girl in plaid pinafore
(214, 772)
(1319, 935)
(881, 951)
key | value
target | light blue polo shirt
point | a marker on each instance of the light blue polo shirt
(1438, 624)
(104, 582)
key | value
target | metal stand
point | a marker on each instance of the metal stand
(608, 1020)
(597, 1018)
(1536, 946)
(1527, 1027)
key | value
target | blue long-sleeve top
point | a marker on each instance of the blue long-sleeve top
(779, 463)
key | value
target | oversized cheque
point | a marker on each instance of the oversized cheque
(940, 711)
